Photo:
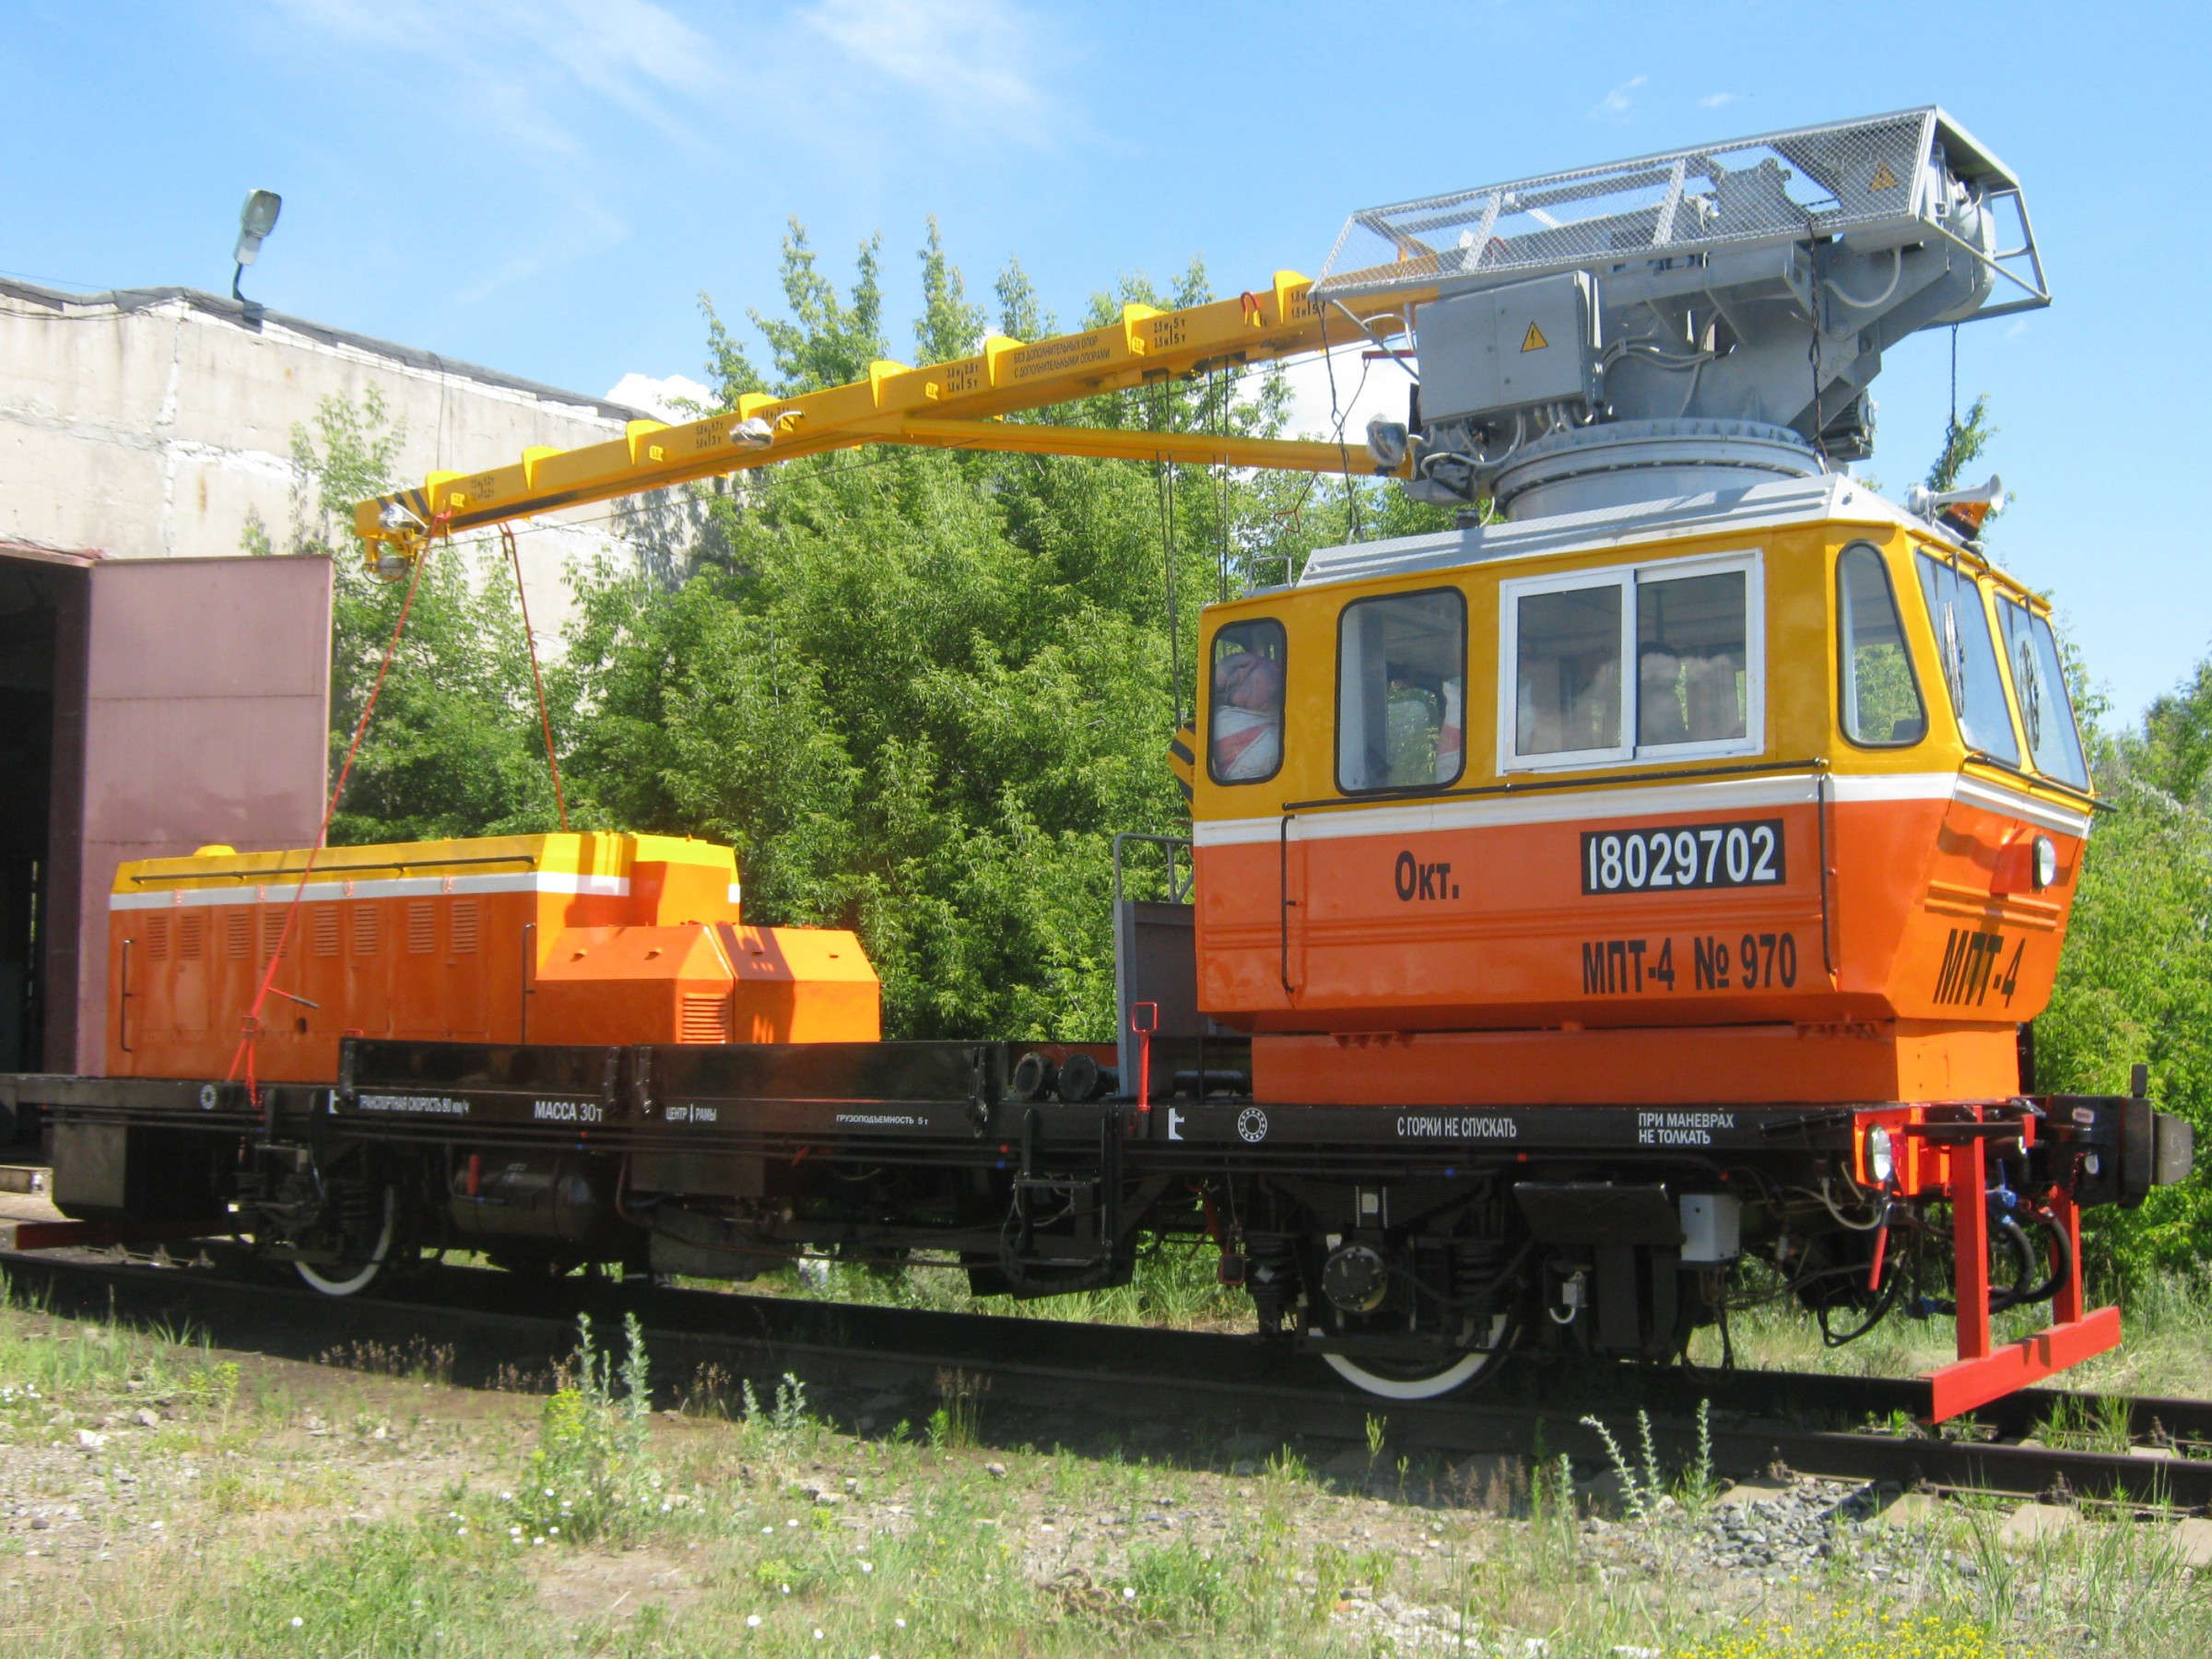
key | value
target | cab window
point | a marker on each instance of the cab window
(1690, 658)
(2039, 685)
(1969, 660)
(1660, 661)
(1244, 717)
(1881, 702)
(1565, 659)
(1401, 691)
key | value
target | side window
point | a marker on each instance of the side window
(1692, 680)
(1401, 691)
(1881, 703)
(1691, 629)
(1244, 720)
(1969, 660)
(2039, 683)
(1566, 667)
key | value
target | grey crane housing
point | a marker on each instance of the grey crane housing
(1668, 325)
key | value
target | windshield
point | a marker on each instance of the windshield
(2040, 683)
(1881, 699)
(1969, 660)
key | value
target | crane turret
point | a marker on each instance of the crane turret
(1662, 326)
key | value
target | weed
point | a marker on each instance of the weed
(1698, 1484)
(709, 1392)
(1856, 1633)
(591, 1472)
(417, 1360)
(957, 1423)
(2101, 1423)
(1640, 1493)
(1332, 1573)
(1996, 1579)
(1178, 1582)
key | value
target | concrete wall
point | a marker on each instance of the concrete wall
(158, 424)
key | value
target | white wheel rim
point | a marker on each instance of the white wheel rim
(1421, 1388)
(367, 1275)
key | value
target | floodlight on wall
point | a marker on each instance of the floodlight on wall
(255, 221)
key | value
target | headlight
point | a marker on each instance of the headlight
(2046, 863)
(1881, 1158)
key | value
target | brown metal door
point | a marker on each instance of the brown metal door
(201, 713)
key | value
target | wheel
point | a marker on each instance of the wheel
(352, 1275)
(1416, 1380)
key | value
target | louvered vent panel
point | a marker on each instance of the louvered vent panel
(272, 929)
(157, 937)
(326, 930)
(364, 930)
(191, 935)
(238, 934)
(423, 926)
(705, 1018)
(464, 924)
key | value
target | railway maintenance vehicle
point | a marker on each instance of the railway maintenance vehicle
(1640, 891)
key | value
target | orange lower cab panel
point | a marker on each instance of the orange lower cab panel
(1772, 1064)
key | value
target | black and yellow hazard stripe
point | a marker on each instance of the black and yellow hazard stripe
(1183, 759)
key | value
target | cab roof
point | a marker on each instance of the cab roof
(1765, 506)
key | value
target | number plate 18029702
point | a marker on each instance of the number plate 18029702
(1746, 853)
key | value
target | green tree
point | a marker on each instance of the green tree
(455, 747)
(1963, 443)
(2135, 981)
(920, 690)
(2135, 984)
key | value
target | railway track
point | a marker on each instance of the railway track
(1207, 1387)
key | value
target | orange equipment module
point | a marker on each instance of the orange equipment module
(1706, 813)
(597, 938)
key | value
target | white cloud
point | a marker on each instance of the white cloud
(550, 95)
(633, 53)
(663, 399)
(978, 61)
(2020, 328)
(1363, 390)
(1613, 105)
(1718, 100)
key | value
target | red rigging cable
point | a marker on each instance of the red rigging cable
(247, 1037)
(560, 802)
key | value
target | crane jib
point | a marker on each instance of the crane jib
(949, 405)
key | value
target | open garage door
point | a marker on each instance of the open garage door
(191, 704)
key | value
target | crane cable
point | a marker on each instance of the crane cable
(249, 1038)
(514, 557)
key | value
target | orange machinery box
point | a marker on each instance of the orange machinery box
(596, 938)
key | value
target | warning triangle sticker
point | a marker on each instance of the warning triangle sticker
(1883, 178)
(1535, 340)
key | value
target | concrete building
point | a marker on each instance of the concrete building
(158, 423)
(157, 690)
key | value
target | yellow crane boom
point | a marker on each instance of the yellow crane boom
(955, 405)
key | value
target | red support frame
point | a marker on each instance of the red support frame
(1982, 1374)
(29, 1236)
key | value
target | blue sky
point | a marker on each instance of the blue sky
(545, 187)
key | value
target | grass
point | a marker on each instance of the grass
(1176, 1285)
(2167, 1348)
(583, 1523)
(59, 1371)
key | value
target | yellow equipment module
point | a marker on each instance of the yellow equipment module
(592, 937)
